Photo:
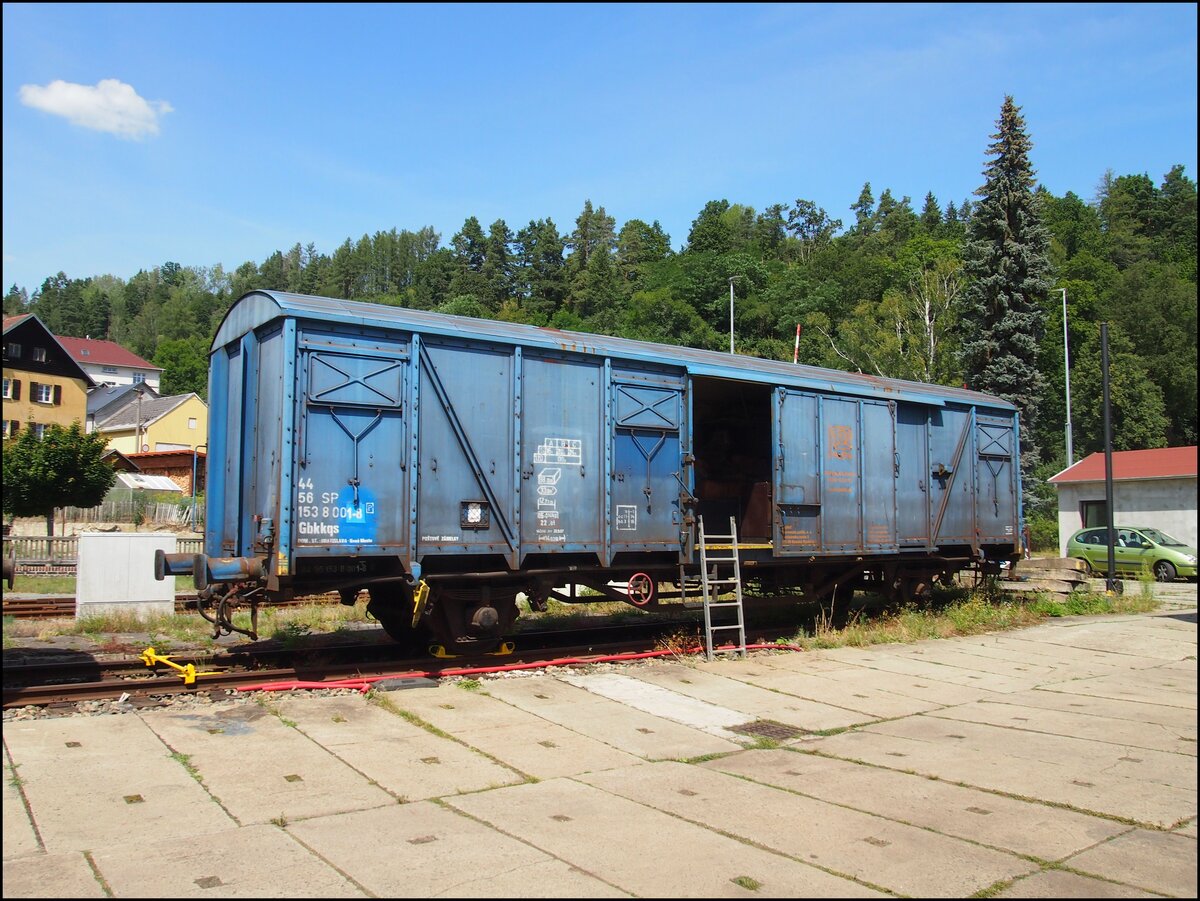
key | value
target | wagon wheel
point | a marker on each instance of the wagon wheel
(641, 589)
(391, 604)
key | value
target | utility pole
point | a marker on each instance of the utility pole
(1067, 373)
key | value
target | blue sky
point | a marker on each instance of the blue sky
(204, 134)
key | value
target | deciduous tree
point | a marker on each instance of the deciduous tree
(63, 468)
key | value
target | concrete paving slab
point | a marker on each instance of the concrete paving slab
(645, 851)
(418, 764)
(431, 851)
(836, 690)
(1062, 884)
(912, 665)
(250, 862)
(984, 663)
(895, 856)
(823, 660)
(935, 693)
(613, 723)
(1047, 644)
(292, 777)
(753, 701)
(1011, 824)
(1180, 720)
(50, 876)
(527, 743)
(1045, 748)
(661, 702)
(1079, 755)
(1058, 783)
(1156, 861)
(997, 647)
(1090, 726)
(77, 775)
(1126, 642)
(1139, 690)
(20, 838)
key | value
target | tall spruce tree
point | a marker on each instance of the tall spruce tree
(1006, 259)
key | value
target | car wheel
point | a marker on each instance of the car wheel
(1164, 571)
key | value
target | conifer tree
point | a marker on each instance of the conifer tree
(1006, 259)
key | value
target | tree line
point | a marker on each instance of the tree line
(895, 290)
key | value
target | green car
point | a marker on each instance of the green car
(1138, 550)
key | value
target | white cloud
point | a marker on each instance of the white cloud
(111, 106)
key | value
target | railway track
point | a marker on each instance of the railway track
(62, 682)
(60, 606)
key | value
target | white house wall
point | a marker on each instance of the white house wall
(1166, 504)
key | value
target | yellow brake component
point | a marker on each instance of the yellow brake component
(420, 598)
(187, 672)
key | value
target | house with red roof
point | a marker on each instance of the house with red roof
(1155, 488)
(108, 363)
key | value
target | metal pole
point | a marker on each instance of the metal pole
(195, 452)
(731, 278)
(1067, 373)
(1112, 585)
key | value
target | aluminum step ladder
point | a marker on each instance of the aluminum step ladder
(720, 573)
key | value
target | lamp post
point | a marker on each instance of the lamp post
(137, 438)
(1067, 373)
(731, 278)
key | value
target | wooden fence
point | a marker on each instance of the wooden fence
(44, 555)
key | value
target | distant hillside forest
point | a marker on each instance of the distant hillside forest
(881, 293)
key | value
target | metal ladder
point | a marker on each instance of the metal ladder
(712, 583)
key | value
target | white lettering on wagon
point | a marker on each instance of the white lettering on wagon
(560, 451)
(334, 517)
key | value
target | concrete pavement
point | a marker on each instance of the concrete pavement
(1054, 761)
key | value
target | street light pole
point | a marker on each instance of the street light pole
(1067, 373)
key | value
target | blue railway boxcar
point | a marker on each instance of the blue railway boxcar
(446, 464)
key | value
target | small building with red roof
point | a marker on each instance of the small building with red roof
(1155, 488)
(108, 363)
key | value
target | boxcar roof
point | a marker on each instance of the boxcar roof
(257, 308)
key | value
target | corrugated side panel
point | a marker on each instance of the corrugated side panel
(466, 490)
(913, 475)
(835, 475)
(351, 482)
(648, 419)
(952, 475)
(996, 478)
(563, 439)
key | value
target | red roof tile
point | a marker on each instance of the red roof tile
(1164, 463)
(107, 353)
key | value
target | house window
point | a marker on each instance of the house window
(11, 427)
(191, 422)
(39, 355)
(12, 389)
(46, 394)
(112, 369)
(139, 377)
(39, 429)
(12, 350)
(1094, 513)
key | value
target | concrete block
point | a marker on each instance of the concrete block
(115, 574)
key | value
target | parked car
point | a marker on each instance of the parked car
(1138, 549)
